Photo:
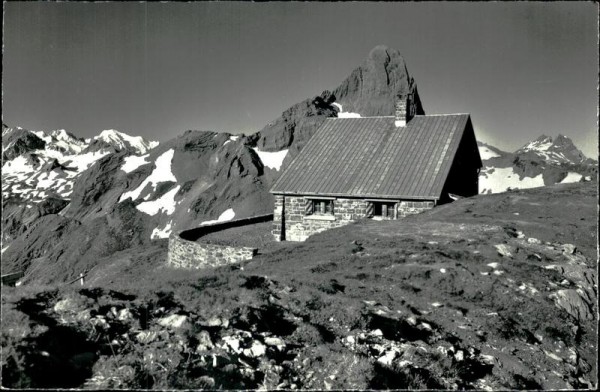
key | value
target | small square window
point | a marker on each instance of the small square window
(319, 207)
(384, 209)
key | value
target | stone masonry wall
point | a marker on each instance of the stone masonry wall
(291, 224)
(290, 216)
(185, 251)
(413, 207)
(189, 254)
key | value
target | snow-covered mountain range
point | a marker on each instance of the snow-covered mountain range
(543, 161)
(38, 164)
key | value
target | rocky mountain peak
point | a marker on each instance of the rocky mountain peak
(370, 90)
(116, 141)
(62, 134)
(559, 150)
(562, 141)
(543, 138)
(19, 141)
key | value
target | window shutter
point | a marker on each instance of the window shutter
(370, 208)
(308, 207)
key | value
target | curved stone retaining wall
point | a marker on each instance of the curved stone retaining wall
(185, 251)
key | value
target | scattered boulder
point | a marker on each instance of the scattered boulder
(568, 248)
(256, 350)
(215, 322)
(232, 343)
(387, 358)
(576, 302)
(173, 321)
(204, 341)
(276, 342)
(124, 315)
(459, 355)
(65, 305)
(505, 250)
(145, 337)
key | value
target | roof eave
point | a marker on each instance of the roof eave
(355, 196)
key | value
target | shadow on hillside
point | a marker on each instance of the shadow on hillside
(61, 356)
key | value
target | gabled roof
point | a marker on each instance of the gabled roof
(370, 157)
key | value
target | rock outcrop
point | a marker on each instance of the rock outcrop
(17, 141)
(370, 90)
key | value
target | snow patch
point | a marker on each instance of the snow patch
(165, 232)
(273, 160)
(46, 180)
(232, 139)
(348, 115)
(486, 153)
(165, 203)
(571, 177)
(17, 165)
(224, 217)
(132, 162)
(496, 180)
(84, 161)
(161, 173)
(342, 114)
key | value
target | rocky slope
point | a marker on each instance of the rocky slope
(490, 292)
(541, 162)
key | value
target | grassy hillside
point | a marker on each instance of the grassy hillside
(495, 291)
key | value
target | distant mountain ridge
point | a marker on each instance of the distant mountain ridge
(559, 150)
(46, 163)
(540, 162)
(118, 141)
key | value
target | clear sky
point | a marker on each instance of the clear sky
(158, 69)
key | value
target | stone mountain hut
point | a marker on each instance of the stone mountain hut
(379, 167)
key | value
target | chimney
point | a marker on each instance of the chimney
(404, 110)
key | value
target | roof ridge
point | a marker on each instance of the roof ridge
(356, 118)
(442, 114)
(417, 115)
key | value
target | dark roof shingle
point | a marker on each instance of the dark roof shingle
(370, 157)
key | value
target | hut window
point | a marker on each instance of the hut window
(319, 207)
(384, 210)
